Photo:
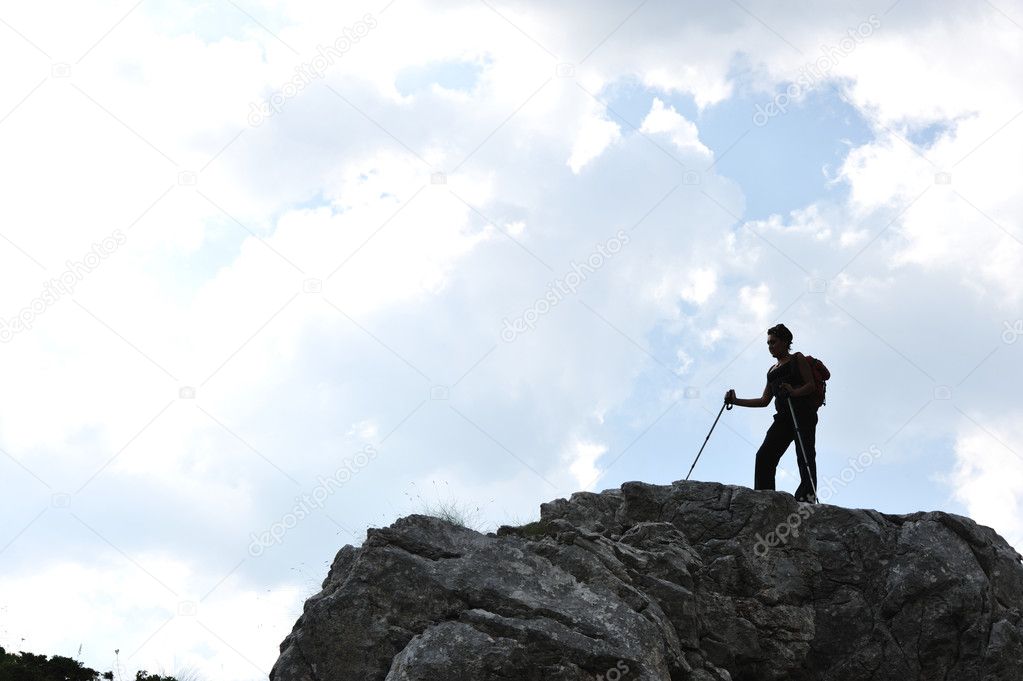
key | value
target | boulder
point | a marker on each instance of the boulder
(692, 580)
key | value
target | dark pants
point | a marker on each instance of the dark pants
(777, 440)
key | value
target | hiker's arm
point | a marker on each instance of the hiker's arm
(804, 370)
(764, 400)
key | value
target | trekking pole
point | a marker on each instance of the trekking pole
(723, 406)
(802, 450)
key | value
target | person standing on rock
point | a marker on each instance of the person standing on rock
(790, 377)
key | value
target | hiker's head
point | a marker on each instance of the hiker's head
(779, 339)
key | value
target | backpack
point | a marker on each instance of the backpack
(820, 375)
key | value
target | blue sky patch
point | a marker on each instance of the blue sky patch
(456, 75)
(927, 135)
(779, 162)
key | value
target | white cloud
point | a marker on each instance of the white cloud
(708, 85)
(701, 286)
(202, 293)
(757, 301)
(694, 286)
(685, 360)
(682, 132)
(150, 626)
(960, 221)
(582, 456)
(365, 430)
(853, 237)
(988, 475)
(594, 136)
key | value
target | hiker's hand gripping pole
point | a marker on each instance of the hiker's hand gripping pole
(726, 405)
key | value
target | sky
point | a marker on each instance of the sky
(278, 272)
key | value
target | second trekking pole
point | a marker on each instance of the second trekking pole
(802, 450)
(723, 406)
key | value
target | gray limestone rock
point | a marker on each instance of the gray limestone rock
(692, 580)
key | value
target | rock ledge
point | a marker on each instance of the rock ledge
(692, 580)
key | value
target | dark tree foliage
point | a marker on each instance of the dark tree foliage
(30, 667)
(143, 675)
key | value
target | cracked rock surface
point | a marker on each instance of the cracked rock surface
(692, 580)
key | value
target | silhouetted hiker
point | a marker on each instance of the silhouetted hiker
(790, 377)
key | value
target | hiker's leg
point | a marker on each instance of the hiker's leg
(776, 441)
(807, 472)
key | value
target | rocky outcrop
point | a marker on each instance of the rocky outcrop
(689, 581)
